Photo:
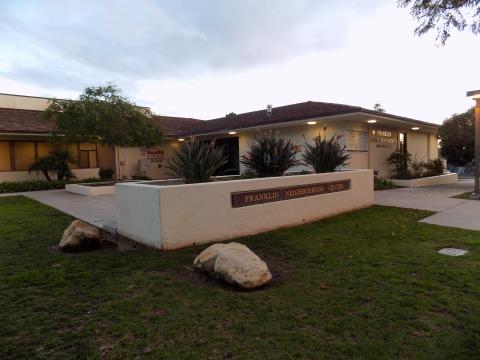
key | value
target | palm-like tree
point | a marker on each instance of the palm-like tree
(58, 160)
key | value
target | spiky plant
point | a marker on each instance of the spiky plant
(44, 165)
(269, 155)
(58, 160)
(325, 155)
(196, 161)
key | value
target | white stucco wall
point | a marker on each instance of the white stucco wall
(23, 102)
(170, 217)
(128, 161)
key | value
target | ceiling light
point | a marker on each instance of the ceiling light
(232, 132)
(415, 128)
(181, 139)
(371, 121)
(312, 123)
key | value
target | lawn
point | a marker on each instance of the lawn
(465, 196)
(369, 284)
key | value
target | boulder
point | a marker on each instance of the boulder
(80, 236)
(235, 263)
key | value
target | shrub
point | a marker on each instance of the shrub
(196, 161)
(325, 155)
(57, 160)
(382, 184)
(434, 167)
(418, 169)
(269, 155)
(38, 185)
(106, 174)
(140, 177)
(400, 161)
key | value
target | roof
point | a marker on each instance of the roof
(31, 121)
(24, 121)
(285, 114)
(173, 125)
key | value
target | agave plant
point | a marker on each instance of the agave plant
(325, 155)
(196, 161)
(269, 155)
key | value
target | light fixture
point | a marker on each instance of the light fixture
(181, 139)
(312, 123)
(371, 121)
(415, 128)
(232, 132)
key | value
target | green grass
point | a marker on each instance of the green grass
(369, 284)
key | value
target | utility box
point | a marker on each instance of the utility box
(144, 166)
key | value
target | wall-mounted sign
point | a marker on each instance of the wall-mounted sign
(383, 136)
(153, 154)
(248, 198)
(356, 140)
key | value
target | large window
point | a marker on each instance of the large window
(23, 154)
(5, 159)
(87, 156)
(19, 155)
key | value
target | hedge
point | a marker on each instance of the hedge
(38, 185)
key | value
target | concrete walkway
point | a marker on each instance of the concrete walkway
(452, 212)
(459, 213)
(92, 209)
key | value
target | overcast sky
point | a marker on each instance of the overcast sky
(207, 58)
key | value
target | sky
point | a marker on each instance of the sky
(204, 59)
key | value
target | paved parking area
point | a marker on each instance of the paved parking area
(452, 212)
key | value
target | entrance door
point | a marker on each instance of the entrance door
(230, 149)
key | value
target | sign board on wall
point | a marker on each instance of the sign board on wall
(153, 154)
(383, 136)
(249, 198)
(356, 140)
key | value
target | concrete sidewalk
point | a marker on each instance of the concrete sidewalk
(451, 212)
(92, 209)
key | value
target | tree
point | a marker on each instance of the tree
(378, 107)
(457, 138)
(58, 160)
(444, 15)
(102, 115)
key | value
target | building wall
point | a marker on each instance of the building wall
(17, 154)
(156, 158)
(23, 102)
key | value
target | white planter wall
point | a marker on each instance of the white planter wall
(175, 216)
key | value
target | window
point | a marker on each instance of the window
(24, 154)
(87, 156)
(402, 142)
(5, 160)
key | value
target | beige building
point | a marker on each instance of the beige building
(370, 137)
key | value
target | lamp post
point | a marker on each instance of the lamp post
(476, 96)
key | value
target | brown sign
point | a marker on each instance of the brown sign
(248, 198)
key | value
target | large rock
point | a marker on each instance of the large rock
(234, 263)
(80, 236)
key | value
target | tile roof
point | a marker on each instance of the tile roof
(31, 121)
(24, 121)
(173, 125)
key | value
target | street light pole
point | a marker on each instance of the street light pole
(476, 96)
